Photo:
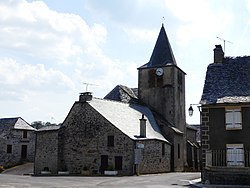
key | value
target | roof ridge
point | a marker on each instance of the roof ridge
(121, 102)
(10, 118)
(110, 100)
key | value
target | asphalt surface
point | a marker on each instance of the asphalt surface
(15, 178)
(25, 169)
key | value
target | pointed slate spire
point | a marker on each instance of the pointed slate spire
(162, 53)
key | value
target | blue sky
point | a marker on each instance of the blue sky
(49, 48)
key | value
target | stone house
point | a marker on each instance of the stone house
(225, 129)
(17, 141)
(102, 133)
(99, 134)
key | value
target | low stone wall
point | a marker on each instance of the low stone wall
(228, 176)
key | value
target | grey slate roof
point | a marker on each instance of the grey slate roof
(123, 94)
(162, 54)
(126, 118)
(227, 82)
(49, 128)
(15, 123)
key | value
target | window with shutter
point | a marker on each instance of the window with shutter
(233, 119)
(235, 155)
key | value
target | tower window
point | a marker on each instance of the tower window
(154, 80)
(159, 81)
(151, 78)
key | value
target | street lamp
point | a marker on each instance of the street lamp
(191, 110)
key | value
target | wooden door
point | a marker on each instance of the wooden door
(104, 163)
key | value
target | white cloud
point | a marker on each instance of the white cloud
(38, 31)
(20, 79)
(139, 34)
(248, 5)
(199, 19)
(48, 50)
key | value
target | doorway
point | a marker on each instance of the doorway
(104, 163)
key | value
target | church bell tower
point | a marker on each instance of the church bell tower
(161, 83)
(161, 86)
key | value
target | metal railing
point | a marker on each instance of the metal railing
(225, 158)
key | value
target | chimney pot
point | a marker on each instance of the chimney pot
(85, 96)
(218, 54)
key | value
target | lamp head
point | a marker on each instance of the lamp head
(190, 110)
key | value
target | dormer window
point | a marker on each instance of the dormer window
(233, 119)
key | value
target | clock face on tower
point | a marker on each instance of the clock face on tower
(159, 71)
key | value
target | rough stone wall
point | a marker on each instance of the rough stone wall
(204, 139)
(228, 176)
(158, 96)
(85, 140)
(154, 161)
(15, 138)
(166, 96)
(46, 152)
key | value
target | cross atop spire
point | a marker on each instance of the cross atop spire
(162, 53)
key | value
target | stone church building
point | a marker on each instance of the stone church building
(131, 131)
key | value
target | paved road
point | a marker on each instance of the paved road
(13, 178)
(155, 181)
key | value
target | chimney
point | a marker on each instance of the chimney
(143, 127)
(86, 96)
(218, 54)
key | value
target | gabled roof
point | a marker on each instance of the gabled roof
(123, 94)
(126, 117)
(227, 82)
(162, 54)
(15, 123)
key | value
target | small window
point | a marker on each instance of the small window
(179, 151)
(9, 148)
(151, 78)
(110, 141)
(235, 155)
(25, 134)
(118, 162)
(233, 119)
(159, 81)
(163, 149)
